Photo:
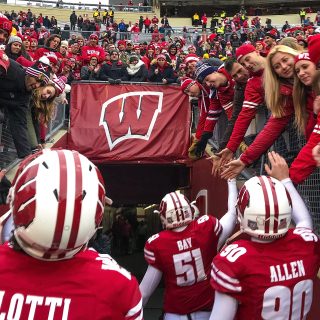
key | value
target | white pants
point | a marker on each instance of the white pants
(198, 315)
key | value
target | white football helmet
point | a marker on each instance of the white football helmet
(176, 210)
(57, 203)
(264, 208)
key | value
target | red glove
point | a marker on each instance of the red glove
(4, 62)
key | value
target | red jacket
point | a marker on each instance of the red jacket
(304, 164)
(271, 131)
(46, 52)
(253, 97)
(87, 51)
(154, 20)
(275, 126)
(147, 22)
(222, 100)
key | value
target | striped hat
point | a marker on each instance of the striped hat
(40, 70)
(186, 84)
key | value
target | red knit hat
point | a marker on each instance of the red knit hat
(53, 59)
(302, 56)
(313, 48)
(25, 38)
(191, 58)
(93, 55)
(5, 24)
(244, 50)
(161, 56)
(151, 47)
(272, 34)
(187, 83)
(121, 42)
(59, 84)
(212, 37)
(93, 36)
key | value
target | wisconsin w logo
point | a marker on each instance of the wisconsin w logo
(130, 115)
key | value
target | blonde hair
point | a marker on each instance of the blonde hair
(291, 42)
(271, 81)
(43, 108)
(300, 93)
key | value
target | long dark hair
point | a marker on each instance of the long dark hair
(15, 56)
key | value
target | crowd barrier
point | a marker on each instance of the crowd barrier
(190, 36)
(135, 37)
(8, 153)
(287, 145)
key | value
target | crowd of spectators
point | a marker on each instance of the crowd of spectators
(115, 54)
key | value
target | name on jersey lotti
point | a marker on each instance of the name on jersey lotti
(287, 271)
(18, 301)
(184, 244)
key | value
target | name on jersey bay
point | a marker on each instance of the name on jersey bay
(184, 244)
(287, 271)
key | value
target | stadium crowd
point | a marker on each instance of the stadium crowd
(236, 69)
(210, 66)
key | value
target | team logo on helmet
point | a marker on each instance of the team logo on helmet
(264, 208)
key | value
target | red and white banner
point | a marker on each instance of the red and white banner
(148, 123)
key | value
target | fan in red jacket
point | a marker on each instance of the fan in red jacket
(253, 97)
(92, 48)
(51, 48)
(221, 98)
(149, 56)
(191, 60)
(307, 159)
(195, 89)
(279, 72)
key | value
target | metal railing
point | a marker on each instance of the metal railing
(288, 145)
(8, 153)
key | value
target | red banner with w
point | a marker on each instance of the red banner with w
(148, 123)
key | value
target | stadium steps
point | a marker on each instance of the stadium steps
(62, 15)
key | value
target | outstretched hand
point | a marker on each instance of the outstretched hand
(279, 167)
(233, 168)
(226, 155)
(216, 164)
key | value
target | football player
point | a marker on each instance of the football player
(271, 275)
(46, 272)
(183, 253)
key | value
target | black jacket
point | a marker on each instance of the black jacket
(113, 70)
(167, 73)
(12, 86)
(139, 76)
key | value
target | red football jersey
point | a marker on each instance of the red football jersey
(184, 259)
(88, 286)
(270, 280)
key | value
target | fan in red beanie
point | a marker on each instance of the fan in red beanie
(5, 29)
(313, 48)
(244, 50)
(187, 84)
